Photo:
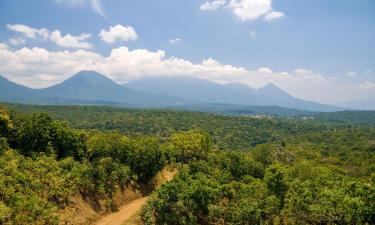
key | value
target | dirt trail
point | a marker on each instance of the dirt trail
(124, 213)
(130, 209)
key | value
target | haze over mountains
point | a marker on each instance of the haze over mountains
(234, 93)
(89, 87)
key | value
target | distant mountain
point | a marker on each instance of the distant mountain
(89, 87)
(193, 88)
(85, 87)
(204, 91)
(12, 92)
(92, 86)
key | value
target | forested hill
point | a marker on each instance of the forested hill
(228, 132)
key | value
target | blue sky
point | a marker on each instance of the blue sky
(300, 45)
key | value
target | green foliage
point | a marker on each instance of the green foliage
(293, 183)
(191, 145)
(112, 145)
(146, 158)
(143, 155)
(226, 132)
(52, 162)
(288, 172)
(25, 187)
(5, 122)
(37, 133)
(276, 181)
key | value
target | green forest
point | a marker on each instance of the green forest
(232, 170)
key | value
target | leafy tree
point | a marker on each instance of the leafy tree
(146, 158)
(113, 145)
(40, 133)
(275, 178)
(191, 145)
(5, 122)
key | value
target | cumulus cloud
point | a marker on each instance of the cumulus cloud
(118, 32)
(265, 70)
(28, 32)
(245, 10)
(213, 5)
(308, 74)
(273, 15)
(174, 40)
(39, 67)
(3, 46)
(70, 41)
(17, 41)
(250, 9)
(121, 65)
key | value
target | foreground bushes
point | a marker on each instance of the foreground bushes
(282, 186)
(43, 162)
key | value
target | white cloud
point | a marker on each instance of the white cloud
(96, 5)
(174, 40)
(70, 41)
(265, 70)
(213, 5)
(308, 74)
(38, 67)
(28, 32)
(17, 41)
(30, 66)
(118, 32)
(368, 72)
(302, 71)
(367, 85)
(273, 15)
(3, 46)
(250, 9)
(245, 10)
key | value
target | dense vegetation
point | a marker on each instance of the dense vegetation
(288, 172)
(315, 179)
(227, 132)
(348, 117)
(43, 162)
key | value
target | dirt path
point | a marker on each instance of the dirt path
(130, 209)
(124, 213)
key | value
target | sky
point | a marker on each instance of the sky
(320, 50)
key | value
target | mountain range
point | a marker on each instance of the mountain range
(204, 91)
(89, 87)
